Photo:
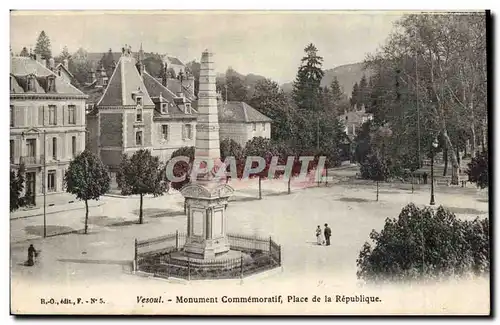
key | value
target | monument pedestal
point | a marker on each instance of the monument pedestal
(206, 212)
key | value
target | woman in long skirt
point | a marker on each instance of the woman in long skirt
(319, 236)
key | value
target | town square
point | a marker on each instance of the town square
(139, 178)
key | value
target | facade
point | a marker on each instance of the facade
(353, 120)
(137, 111)
(47, 125)
(134, 110)
(241, 122)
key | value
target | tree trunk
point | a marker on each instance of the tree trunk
(458, 154)
(445, 157)
(289, 181)
(473, 143)
(484, 137)
(454, 162)
(140, 210)
(377, 190)
(260, 188)
(412, 181)
(86, 215)
(326, 174)
(465, 150)
(185, 206)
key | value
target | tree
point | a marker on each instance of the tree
(80, 66)
(65, 54)
(194, 67)
(182, 168)
(16, 189)
(269, 99)
(355, 95)
(87, 178)
(306, 87)
(42, 47)
(108, 60)
(260, 147)
(24, 52)
(142, 174)
(236, 88)
(425, 243)
(478, 170)
(230, 148)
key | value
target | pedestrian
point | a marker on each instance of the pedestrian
(319, 236)
(328, 233)
(425, 177)
(32, 253)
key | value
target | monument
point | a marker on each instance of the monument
(206, 198)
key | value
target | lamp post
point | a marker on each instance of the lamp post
(433, 149)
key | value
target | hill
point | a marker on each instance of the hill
(347, 75)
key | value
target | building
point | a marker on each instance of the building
(134, 110)
(138, 111)
(47, 124)
(62, 70)
(241, 122)
(353, 120)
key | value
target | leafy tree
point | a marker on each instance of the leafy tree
(478, 170)
(231, 148)
(80, 66)
(236, 90)
(24, 52)
(87, 178)
(269, 99)
(306, 87)
(355, 95)
(194, 67)
(425, 243)
(182, 168)
(42, 47)
(260, 147)
(142, 174)
(108, 61)
(16, 188)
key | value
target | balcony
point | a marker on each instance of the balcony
(31, 160)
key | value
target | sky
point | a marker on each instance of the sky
(261, 42)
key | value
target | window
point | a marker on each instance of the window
(11, 151)
(254, 127)
(51, 181)
(11, 115)
(31, 83)
(346, 118)
(52, 115)
(164, 108)
(263, 126)
(138, 117)
(54, 148)
(31, 147)
(188, 108)
(105, 82)
(187, 131)
(164, 131)
(71, 114)
(138, 138)
(73, 146)
(51, 84)
(138, 101)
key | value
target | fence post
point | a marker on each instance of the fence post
(189, 270)
(241, 266)
(177, 239)
(135, 254)
(270, 241)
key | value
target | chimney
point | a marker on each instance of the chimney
(52, 64)
(66, 64)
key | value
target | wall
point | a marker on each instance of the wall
(164, 148)
(242, 132)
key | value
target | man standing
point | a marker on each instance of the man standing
(328, 233)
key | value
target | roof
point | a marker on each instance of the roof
(240, 112)
(22, 67)
(174, 60)
(123, 84)
(354, 116)
(60, 65)
(94, 95)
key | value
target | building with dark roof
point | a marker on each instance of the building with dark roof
(47, 124)
(135, 110)
(241, 122)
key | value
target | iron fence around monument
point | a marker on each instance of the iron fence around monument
(153, 256)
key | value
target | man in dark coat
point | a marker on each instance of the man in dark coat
(328, 233)
(31, 255)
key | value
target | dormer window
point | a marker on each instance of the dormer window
(164, 108)
(188, 108)
(51, 84)
(138, 101)
(31, 83)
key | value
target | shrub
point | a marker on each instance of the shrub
(425, 243)
(478, 170)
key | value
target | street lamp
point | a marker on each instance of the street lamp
(433, 149)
